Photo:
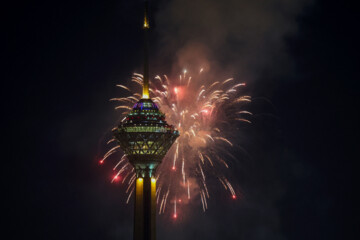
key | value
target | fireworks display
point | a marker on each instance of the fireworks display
(206, 115)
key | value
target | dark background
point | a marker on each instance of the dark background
(63, 60)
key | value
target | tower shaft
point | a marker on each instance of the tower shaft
(145, 208)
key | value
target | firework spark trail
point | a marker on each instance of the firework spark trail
(123, 158)
(224, 139)
(128, 198)
(188, 189)
(223, 162)
(127, 175)
(209, 159)
(204, 113)
(162, 203)
(206, 189)
(158, 191)
(202, 173)
(123, 107)
(131, 181)
(175, 215)
(201, 157)
(242, 119)
(118, 173)
(110, 152)
(204, 197)
(166, 197)
(203, 200)
(182, 170)
(124, 87)
(222, 182)
(122, 100)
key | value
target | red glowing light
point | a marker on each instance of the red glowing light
(234, 196)
(179, 92)
(175, 215)
(101, 161)
(173, 168)
(179, 200)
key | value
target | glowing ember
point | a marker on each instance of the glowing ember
(115, 178)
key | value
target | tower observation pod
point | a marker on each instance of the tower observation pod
(145, 137)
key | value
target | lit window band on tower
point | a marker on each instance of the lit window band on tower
(145, 137)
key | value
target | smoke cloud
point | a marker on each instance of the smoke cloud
(245, 37)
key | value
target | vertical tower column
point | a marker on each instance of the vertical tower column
(139, 209)
(153, 209)
(145, 208)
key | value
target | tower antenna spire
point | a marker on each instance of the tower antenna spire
(146, 28)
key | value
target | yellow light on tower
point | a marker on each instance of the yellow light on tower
(139, 207)
(153, 188)
(139, 187)
(145, 94)
(146, 22)
(153, 205)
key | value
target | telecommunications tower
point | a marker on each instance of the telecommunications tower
(145, 138)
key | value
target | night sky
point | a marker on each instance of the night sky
(300, 60)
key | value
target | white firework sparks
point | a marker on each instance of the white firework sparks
(203, 114)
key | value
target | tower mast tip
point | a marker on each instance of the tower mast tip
(146, 28)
